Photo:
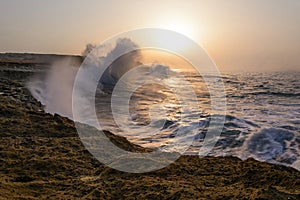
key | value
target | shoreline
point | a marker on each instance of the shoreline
(43, 157)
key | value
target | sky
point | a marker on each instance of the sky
(239, 35)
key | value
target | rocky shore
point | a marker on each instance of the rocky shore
(42, 157)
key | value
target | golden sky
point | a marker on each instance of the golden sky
(238, 34)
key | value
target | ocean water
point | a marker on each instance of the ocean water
(172, 111)
(262, 115)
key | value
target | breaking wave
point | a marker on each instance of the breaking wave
(261, 121)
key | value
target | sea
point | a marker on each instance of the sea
(261, 121)
(176, 109)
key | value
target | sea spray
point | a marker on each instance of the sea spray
(54, 87)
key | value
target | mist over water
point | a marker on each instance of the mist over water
(54, 87)
(263, 109)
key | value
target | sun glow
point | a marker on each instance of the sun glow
(180, 28)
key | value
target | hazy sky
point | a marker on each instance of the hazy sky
(238, 34)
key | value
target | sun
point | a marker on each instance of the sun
(179, 25)
(183, 24)
(181, 28)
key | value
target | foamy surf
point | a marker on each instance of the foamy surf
(261, 120)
